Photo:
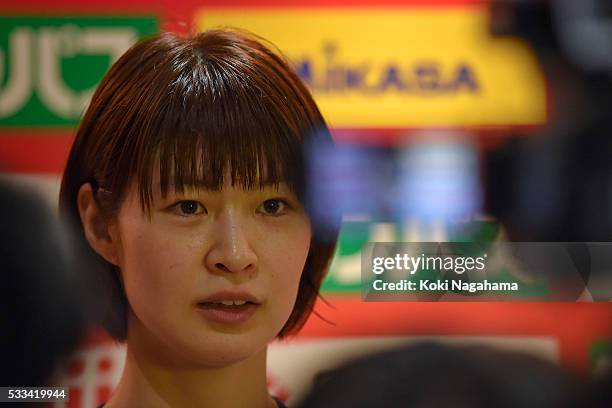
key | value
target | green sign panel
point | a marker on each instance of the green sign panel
(345, 272)
(50, 66)
(600, 354)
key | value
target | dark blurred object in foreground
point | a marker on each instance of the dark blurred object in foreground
(40, 316)
(430, 375)
(600, 395)
(557, 186)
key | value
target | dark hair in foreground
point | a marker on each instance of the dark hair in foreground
(199, 106)
(436, 376)
(40, 303)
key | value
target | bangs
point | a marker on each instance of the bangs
(216, 118)
(202, 145)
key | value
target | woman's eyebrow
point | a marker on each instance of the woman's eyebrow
(275, 185)
(205, 185)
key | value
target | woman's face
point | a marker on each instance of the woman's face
(200, 249)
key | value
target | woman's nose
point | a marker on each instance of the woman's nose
(231, 250)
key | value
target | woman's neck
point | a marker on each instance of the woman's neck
(147, 382)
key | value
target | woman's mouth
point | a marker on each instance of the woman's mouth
(228, 311)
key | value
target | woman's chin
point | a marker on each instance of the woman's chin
(219, 350)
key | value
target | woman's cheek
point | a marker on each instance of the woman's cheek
(289, 269)
(154, 267)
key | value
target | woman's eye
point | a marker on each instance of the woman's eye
(189, 208)
(274, 206)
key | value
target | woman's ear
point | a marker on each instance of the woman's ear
(100, 230)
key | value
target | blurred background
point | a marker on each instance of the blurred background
(455, 120)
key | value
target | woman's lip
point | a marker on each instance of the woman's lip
(222, 314)
(230, 295)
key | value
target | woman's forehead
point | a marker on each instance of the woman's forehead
(226, 179)
(225, 187)
(200, 169)
(227, 183)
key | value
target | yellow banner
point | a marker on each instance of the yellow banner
(404, 67)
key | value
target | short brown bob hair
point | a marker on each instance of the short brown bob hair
(199, 106)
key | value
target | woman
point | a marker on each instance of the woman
(187, 182)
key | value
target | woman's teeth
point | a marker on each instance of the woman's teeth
(232, 302)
